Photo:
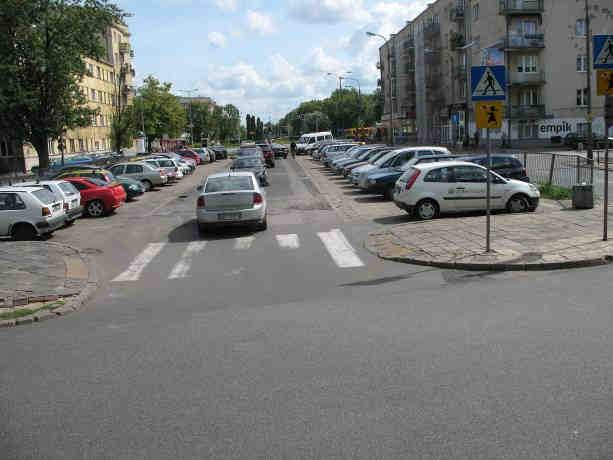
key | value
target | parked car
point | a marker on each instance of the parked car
(190, 154)
(97, 173)
(204, 155)
(572, 140)
(348, 156)
(249, 151)
(132, 187)
(220, 150)
(372, 156)
(397, 158)
(28, 212)
(269, 155)
(231, 198)
(143, 172)
(64, 190)
(253, 164)
(383, 181)
(427, 190)
(336, 152)
(169, 171)
(98, 198)
(187, 165)
(280, 150)
(365, 154)
(506, 165)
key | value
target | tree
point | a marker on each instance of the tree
(161, 111)
(202, 120)
(122, 122)
(42, 46)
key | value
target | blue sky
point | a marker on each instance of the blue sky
(263, 56)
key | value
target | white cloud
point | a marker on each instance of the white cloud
(328, 11)
(216, 39)
(226, 5)
(260, 22)
(320, 62)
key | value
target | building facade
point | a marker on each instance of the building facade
(107, 83)
(541, 43)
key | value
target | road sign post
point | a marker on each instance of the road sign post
(488, 85)
(608, 122)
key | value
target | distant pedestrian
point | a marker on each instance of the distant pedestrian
(292, 149)
(477, 135)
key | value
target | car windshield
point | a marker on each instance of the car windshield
(247, 163)
(44, 196)
(67, 188)
(385, 157)
(228, 183)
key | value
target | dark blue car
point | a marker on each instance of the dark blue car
(506, 165)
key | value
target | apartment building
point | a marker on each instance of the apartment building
(542, 43)
(108, 82)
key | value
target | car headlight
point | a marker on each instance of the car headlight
(533, 188)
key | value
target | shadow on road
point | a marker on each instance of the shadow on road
(188, 232)
(394, 220)
(371, 199)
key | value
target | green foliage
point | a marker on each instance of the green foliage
(160, 110)
(42, 45)
(554, 192)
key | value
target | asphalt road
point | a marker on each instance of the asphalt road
(298, 344)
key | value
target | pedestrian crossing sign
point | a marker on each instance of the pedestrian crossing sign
(603, 51)
(488, 83)
(489, 114)
(604, 82)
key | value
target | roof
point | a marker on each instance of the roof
(230, 174)
(32, 183)
(445, 164)
(16, 188)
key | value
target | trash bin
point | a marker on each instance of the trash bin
(583, 196)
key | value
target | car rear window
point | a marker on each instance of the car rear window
(229, 183)
(67, 188)
(247, 163)
(98, 182)
(44, 196)
(166, 163)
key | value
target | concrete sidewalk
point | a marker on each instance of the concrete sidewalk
(554, 238)
(41, 271)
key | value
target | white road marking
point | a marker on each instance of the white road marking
(340, 249)
(288, 241)
(137, 266)
(244, 243)
(181, 269)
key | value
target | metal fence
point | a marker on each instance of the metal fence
(557, 168)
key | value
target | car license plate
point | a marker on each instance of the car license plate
(229, 216)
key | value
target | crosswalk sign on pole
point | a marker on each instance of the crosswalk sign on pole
(488, 83)
(489, 114)
(604, 82)
(603, 51)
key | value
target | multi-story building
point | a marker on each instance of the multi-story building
(107, 83)
(542, 44)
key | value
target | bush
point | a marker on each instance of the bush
(554, 192)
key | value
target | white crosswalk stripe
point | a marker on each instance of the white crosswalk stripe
(137, 266)
(340, 249)
(181, 269)
(244, 243)
(288, 241)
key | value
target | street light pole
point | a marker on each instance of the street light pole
(389, 77)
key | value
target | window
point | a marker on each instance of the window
(527, 64)
(90, 70)
(11, 202)
(98, 72)
(134, 169)
(529, 96)
(79, 185)
(462, 90)
(528, 129)
(439, 175)
(230, 183)
(72, 145)
(582, 97)
(94, 120)
(469, 174)
(528, 27)
(580, 29)
(117, 170)
(93, 94)
(476, 12)
(81, 146)
(581, 63)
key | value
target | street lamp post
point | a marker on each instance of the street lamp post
(389, 77)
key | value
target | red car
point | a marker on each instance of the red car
(269, 154)
(190, 154)
(98, 198)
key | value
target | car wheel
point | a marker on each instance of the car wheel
(427, 209)
(95, 208)
(23, 232)
(518, 203)
(147, 185)
(389, 194)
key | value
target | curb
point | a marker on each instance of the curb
(495, 267)
(72, 304)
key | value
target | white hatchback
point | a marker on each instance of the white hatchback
(64, 190)
(26, 213)
(231, 198)
(427, 190)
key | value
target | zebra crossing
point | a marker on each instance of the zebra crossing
(334, 242)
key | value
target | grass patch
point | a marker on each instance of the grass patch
(555, 192)
(21, 312)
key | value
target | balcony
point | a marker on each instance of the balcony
(124, 48)
(527, 79)
(456, 41)
(432, 30)
(456, 14)
(525, 42)
(528, 111)
(408, 44)
(521, 7)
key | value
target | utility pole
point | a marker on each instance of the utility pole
(588, 46)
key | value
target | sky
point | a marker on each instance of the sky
(265, 57)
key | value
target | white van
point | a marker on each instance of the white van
(310, 139)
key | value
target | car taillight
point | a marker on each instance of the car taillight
(176, 169)
(200, 203)
(66, 206)
(257, 198)
(46, 211)
(412, 179)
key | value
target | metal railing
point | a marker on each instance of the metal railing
(512, 7)
(561, 169)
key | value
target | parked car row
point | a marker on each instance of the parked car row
(427, 181)
(36, 208)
